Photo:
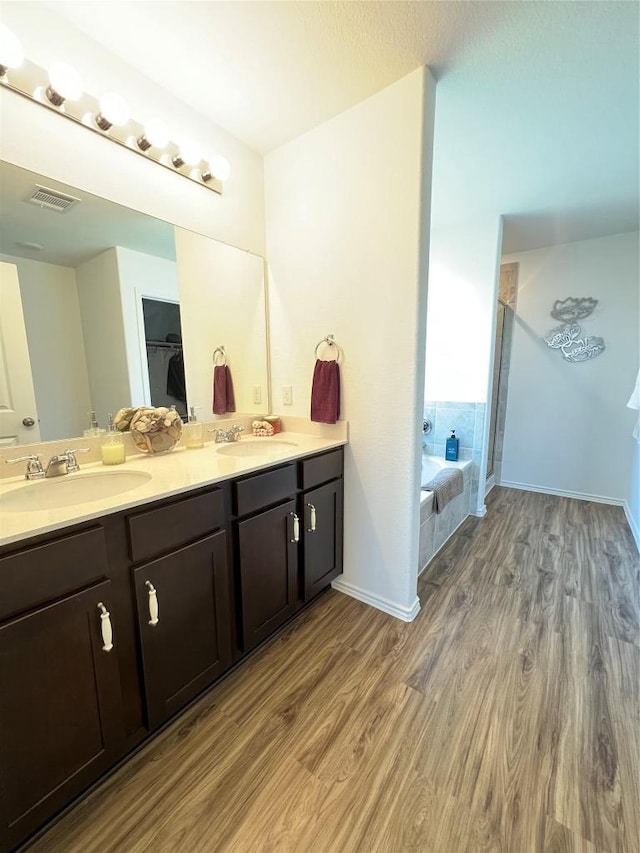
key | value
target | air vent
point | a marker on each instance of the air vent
(52, 199)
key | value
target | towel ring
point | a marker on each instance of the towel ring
(219, 353)
(330, 341)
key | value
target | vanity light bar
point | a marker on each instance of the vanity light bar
(61, 91)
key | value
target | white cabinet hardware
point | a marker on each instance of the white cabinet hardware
(153, 604)
(105, 628)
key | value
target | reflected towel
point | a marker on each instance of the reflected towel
(223, 396)
(446, 485)
(325, 392)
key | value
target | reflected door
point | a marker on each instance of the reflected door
(18, 413)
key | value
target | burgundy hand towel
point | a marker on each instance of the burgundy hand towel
(223, 397)
(325, 392)
(228, 383)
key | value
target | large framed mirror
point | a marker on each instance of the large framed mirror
(103, 307)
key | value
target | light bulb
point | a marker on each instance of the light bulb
(113, 110)
(218, 168)
(11, 52)
(64, 84)
(189, 153)
(157, 132)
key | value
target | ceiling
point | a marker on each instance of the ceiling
(82, 232)
(269, 71)
(537, 102)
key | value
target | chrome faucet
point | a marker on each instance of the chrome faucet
(232, 434)
(34, 471)
(66, 459)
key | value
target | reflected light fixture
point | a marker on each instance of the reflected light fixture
(11, 52)
(113, 110)
(156, 134)
(64, 84)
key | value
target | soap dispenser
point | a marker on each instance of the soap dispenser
(94, 428)
(112, 447)
(451, 453)
(192, 431)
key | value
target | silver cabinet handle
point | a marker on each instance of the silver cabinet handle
(153, 604)
(105, 628)
(312, 519)
(296, 527)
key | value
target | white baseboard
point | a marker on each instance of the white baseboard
(480, 513)
(635, 530)
(407, 614)
(562, 493)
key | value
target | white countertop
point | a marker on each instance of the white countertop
(172, 473)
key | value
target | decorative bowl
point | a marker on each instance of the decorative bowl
(155, 430)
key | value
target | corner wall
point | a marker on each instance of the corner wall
(464, 267)
(567, 427)
(346, 239)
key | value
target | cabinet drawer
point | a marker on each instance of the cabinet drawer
(45, 572)
(160, 530)
(264, 489)
(321, 469)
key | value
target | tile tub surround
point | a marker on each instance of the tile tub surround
(468, 420)
(435, 529)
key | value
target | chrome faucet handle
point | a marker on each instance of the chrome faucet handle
(72, 462)
(34, 471)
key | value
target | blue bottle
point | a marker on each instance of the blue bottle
(451, 453)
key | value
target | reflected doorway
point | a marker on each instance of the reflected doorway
(165, 363)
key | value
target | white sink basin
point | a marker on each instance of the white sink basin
(268, 448)
(70, 489)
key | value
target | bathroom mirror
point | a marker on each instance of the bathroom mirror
(78, 272)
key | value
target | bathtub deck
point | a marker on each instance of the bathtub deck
(505, 717)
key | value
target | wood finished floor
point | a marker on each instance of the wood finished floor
(506, 717)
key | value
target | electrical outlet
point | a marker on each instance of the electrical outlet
(287, 395)
(257, 395)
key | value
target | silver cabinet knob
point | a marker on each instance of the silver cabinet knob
(28, 422)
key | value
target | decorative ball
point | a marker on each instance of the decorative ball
(156, 430)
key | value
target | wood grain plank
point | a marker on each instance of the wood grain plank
(506, 717)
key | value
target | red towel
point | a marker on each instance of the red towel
(223, 396)
(325, 392)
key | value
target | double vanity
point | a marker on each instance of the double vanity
(126, 593)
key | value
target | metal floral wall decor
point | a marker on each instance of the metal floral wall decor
(568, 337)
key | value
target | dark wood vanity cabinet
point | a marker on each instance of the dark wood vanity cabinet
(184, 619)
(268, 572)
(182, 587)
(60, 708)
(321, 523)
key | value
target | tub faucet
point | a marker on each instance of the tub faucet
(232, 434)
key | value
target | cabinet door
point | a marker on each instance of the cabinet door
(268, 553)
(61, 720)
(186, 644)
(322, 515)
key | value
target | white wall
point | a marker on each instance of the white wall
(56, 346)
(223, 303)
(464, 266)
(347, 217)
(141, 276)
(567, 426)
(464, 272)
(104, 338)
(37, 139)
